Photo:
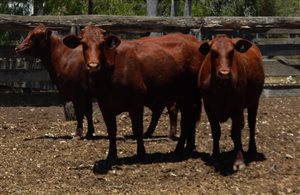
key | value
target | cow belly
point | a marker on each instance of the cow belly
(219, 108)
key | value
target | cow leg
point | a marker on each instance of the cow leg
(136, 116)
(215, 131)
(236, 130)
(252, 112)
(79, 118)
(216, 134)
(156, 112)
(111, 125)
(89, 116)
(179, 150)
(188, 125)
(173, 112)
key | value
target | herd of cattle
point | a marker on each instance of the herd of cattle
(176, 71)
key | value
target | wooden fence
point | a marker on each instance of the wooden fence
(275, 36)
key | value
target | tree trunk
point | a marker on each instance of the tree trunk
(90, 7)
(38, 7)
(188, 8)
(174, 7)
(152, 7)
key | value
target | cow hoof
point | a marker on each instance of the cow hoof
(89, 136)
(190, 149)
(79, 132)
(239, 165)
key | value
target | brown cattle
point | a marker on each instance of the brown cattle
(231, 79)
(66, 68)
(152, 71)
(68, 72)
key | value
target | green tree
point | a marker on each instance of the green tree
(21, 7)
(17, 7)
(120, 7)
(63, 7)
(267, 7)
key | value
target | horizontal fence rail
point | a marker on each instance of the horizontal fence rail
(149, 24)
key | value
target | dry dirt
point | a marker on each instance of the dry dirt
(39, 156)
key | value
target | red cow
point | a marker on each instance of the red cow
(67, 71)
(152, 71)
(231, 78)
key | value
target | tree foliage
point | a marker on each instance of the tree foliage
(139, 7)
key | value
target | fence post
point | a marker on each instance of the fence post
(69, 111)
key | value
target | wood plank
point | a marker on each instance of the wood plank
(277, 41)
(283, 31)
(24, 76)
(148, 23)
(47, 85)
(276, 68)
(280, 49)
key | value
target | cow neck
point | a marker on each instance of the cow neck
(53, 45)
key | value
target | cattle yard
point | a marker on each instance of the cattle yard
(39, 155)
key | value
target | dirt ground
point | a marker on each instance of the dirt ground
(39, 156)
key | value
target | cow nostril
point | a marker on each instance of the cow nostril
(224, 72)
(93, 65)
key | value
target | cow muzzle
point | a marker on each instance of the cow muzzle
(93, 67)
(20, 50)
(224, 74)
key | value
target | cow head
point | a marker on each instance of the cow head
(35, 42)
(95, 43)
(221, 50)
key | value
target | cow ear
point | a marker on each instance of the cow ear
(242, 45)
(204, 48)
(71, 41)
(112, 41)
